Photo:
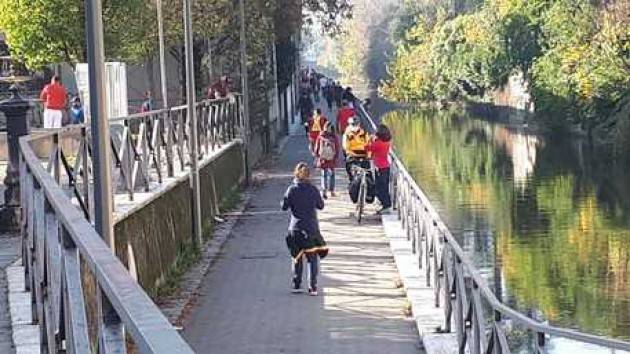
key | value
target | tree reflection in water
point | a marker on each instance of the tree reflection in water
(544, 214)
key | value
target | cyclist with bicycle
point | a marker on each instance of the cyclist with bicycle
(355, 144)
(359, 166)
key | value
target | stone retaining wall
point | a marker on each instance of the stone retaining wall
(149, 239)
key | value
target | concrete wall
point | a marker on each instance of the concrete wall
(149, 240)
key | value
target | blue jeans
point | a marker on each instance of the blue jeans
(313, 261)
(328, 179)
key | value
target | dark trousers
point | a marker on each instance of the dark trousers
(329, 100)
(313, 261)
(382, 187)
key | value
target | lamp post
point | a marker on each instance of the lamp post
(245, 89)
(192, 120)
(160, 21)
(104, 206)
(14, 109)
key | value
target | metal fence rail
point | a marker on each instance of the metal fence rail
(470, 307)
(84, 299)
(146, 148)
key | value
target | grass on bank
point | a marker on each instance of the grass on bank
(189, 254)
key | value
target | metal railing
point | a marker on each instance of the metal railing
(471, 309)
(146, 148)
(83, 298)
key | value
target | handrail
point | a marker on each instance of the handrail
(68, 267)
(456, 280)
(58, 238)
(146, 147)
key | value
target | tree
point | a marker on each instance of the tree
(53, 31)
(39, 34)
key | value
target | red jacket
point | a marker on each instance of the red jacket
(342, 118)
(380, 153)
(54, 96)
(327, 163)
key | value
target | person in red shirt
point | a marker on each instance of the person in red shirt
(342, 117)
(315, 127)
(380, 148)
(219, 89)
(53, 97)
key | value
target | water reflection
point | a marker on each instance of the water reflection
(545, 221)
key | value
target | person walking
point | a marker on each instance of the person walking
(315, 86)
(380, 148)
(339, 94)
(147, 104)
(303, 200)
(54, 98)
(329, 95)
(305, 105)
(315, 127)
(327, 153)
(77, 116)
(343, 116)
(348, 95)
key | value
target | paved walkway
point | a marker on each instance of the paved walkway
(9, 250)
(246, 306)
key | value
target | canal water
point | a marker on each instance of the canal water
(546, 221)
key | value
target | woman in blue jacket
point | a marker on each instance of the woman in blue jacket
(304, 240)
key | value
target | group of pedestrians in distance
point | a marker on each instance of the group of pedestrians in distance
(54, 98)
(358, 148)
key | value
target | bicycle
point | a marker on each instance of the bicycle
(362, 174)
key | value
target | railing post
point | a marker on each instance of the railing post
(168, 125)
(15, 110)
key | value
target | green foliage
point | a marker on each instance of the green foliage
(187, 256)
(584, 73)
(40, 32)
(441, 61)
(574, 54)
(53, 31)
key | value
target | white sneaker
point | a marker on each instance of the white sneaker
(384, 211)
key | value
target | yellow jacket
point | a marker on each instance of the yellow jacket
(355, 143)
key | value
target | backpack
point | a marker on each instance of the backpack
(326, 149)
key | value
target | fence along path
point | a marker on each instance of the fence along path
(84, 300)
(480, 321)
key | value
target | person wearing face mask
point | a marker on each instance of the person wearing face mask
(77, 116)
(355, 144)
